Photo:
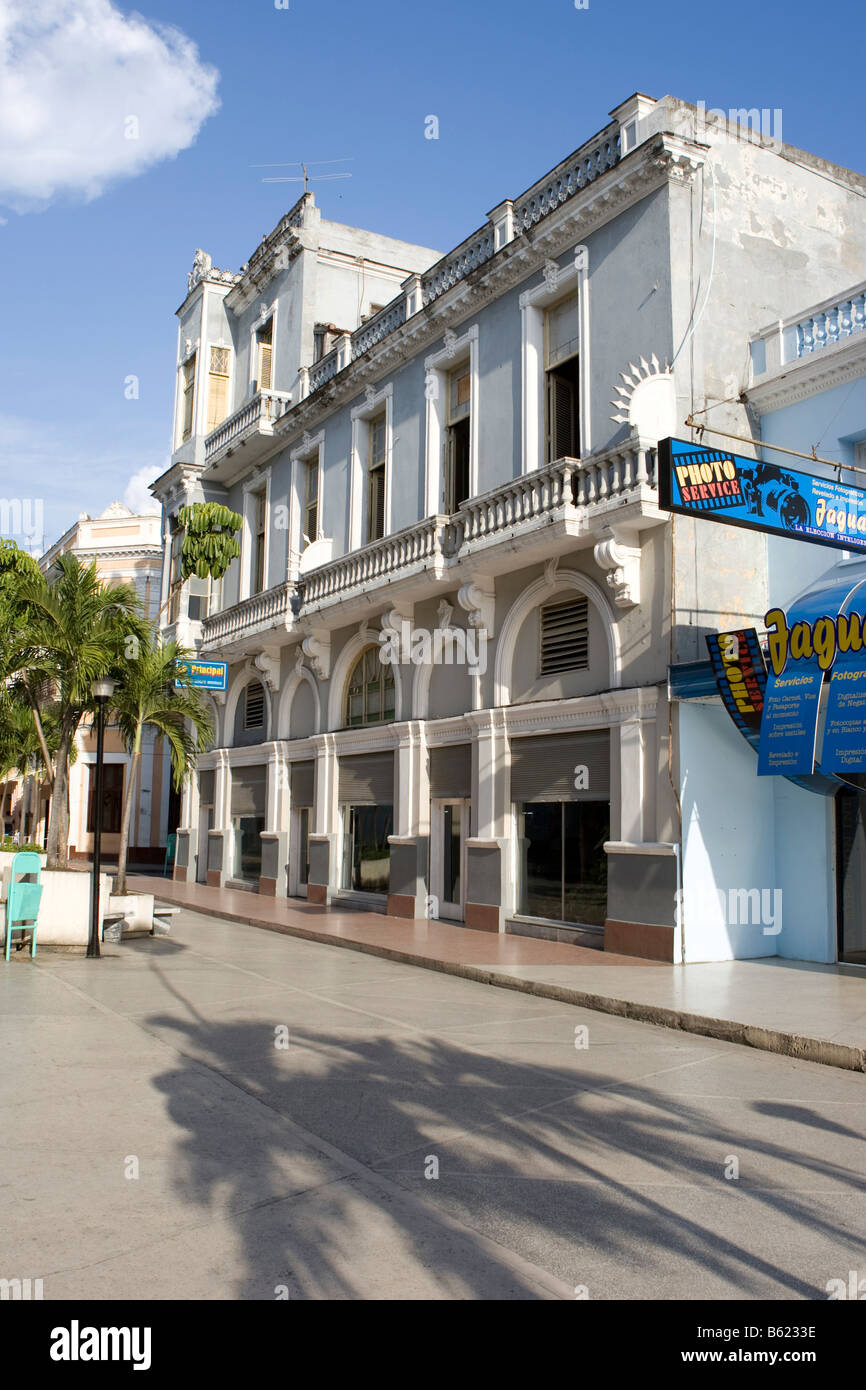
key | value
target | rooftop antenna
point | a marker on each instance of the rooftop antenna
(305, 177)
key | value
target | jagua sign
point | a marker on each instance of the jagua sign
(817, 654)
(716, 485)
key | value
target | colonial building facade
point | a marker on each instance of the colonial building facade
(127, 549)
(450, 626)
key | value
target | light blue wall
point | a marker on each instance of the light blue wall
(832, 421)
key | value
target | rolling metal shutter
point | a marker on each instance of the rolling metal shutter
(366, 779)
(248, 791)
(206, 787)
(542, 769)
(451, 771)
(303, 781)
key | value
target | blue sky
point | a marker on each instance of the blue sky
(91, 286)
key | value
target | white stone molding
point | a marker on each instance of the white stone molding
(301, 675)
(251, 486)
(540, 592)
(374, 402)
(478, 598)
(550, 571)
(557, 282)
(316, 647)
(393, 618)
(437, 367)
(311, 444)
(267, 663)
(618, 552)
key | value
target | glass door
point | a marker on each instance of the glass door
(451, 824)
(302, 818)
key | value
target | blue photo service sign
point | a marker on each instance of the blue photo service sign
(205, 675)
(720, 486)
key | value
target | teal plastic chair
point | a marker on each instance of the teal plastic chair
(22, 902)
(170, 851)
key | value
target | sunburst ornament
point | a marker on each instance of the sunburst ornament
(647, 400)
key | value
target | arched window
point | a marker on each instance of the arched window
(370, 692)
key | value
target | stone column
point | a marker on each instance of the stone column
(410, 844)
(273, 880)
(487, 849)
(324, 874)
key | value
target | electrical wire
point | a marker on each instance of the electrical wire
(695, 321)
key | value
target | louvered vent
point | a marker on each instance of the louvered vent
(254, 712)
(565, 636)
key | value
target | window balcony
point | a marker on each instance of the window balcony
(248, 432)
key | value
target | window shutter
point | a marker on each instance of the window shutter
(366, 779)
(564, 636)
(450, 471)
(376, 518)
(217, 400)
(248, 791)
(561, 416)
(460, 402)
(264, 382)
(563, 331)
(542, 769)
(188, 396)
(302, 779)
(451, 771)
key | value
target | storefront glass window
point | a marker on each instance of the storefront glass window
(564, 866)
(366, 852)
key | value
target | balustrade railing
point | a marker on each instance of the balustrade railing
(255, 415)
(458, 263)
(415, 546)
(618, 475)
(378, 327)
(249, 613)
(323, 370)
(831, 324)
(592, 159)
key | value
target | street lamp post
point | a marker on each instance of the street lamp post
(102, 691)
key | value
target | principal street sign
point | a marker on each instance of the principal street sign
(716, 485)
(205, 675)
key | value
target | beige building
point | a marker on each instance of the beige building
(127, 549)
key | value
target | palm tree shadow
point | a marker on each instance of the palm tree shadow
(322, 1160)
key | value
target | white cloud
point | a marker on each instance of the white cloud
(55, 473)
(137, 496)
(89, 94)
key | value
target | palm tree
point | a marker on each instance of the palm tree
(21, 743)
(77, 628)
(153, 691)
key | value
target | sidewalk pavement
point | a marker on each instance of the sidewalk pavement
(814, 1012)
